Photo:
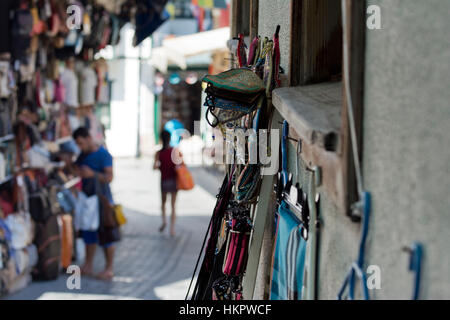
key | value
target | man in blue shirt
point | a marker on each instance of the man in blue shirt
(95, 162)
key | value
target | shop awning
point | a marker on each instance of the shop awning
(178, 51)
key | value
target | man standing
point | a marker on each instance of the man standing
(95, 167)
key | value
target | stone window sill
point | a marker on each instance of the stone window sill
(313, 111)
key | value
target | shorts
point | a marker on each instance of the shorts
(168, 185)
(91, 237)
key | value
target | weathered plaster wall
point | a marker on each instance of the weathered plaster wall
(406, 153)
(271, 14)
(406, 143)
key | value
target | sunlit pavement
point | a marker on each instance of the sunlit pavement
(149, 265)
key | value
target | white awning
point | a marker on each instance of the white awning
(178, 50)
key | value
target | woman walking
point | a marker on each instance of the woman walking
(164, 161)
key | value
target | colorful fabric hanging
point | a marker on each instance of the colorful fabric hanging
(289, 257)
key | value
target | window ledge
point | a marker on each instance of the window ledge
(313, 111)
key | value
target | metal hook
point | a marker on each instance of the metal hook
(415, 263)
(356, 270)
(317, 174)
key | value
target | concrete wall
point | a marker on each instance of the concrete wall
(406, 143)
(406, 154)
(271, 14)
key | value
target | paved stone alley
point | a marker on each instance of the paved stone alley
(149, 265)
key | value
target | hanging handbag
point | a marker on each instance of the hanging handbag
(240, 227)
(184, 178)
(232, 94)
(87, 215)
(107, 214)
(225, 111)
(120, 216)
(240, 85)
(39, 206)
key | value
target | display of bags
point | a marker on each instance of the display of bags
(21, 227)
(184, 178)
(240, 85)
(21, 28)
(239, 228)
(39, 206)
(48, 242)
(232, 94)
(88, 83)
(224, 110)
(70, 82)
(98, 25)
(66, 240)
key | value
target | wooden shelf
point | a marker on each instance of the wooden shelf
(313, 111)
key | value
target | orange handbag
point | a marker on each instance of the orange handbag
(184, 178)
(67, 239)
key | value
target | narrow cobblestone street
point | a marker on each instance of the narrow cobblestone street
(149, 265)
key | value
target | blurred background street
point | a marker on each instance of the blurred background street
(149, 264)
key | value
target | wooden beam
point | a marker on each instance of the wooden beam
(254, 18)
(321, 40)
(234, 18)
(356, 36)
(295, 43)
(240, 17)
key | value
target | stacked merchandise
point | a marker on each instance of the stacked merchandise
(49, 86)
(237, 100)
